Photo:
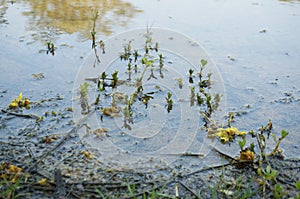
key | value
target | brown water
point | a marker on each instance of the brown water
(254, 44)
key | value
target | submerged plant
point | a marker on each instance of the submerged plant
(114, 79)
(191, 71)
(50, 48)
(180, 83)
(203, 63)
(102, 46)
(192, 95)
(84, 98)
(161, 64)
(169, 102)
(93, 32)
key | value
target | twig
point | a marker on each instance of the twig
(292, 160)
(206, 169)
(291, 168)
(235, 161)
(279, 179)
(31, 116)
(97, 60)
(223, 154)
(185, 154)
(29, 151)
(189, 189)
(11, 143)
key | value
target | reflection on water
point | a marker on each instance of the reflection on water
(76, 15)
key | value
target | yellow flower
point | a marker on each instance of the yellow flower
(229, 133)
(19, 102)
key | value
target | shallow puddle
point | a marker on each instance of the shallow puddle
(253, 44)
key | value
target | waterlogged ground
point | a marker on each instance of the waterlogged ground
(253, 44)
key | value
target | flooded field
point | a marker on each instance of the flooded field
(55, 53)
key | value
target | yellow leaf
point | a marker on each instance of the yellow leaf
(229, 133)
(246, 155)
(87, 154)
(15, 172)
(20, 102)
(26, 103)
(111, 111)
(100, 132)
(43, 181)
(19, 97)
(14, 169)
(13, 104)
(241, 133)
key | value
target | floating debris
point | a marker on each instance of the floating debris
(38, 76)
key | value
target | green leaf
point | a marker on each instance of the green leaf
(297, 185)
(103, 75)
(203, 62)
(268, 169)
(278, 188)
(284, 133)
(274, 137)
(251, 148)
(259, 172)
(274, 174)
(270, 175)
(54, 113)
(242, 143)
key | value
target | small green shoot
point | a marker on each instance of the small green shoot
(276, 149)
(50, 48)
(131, 189)
(242, 143)
(180, 83)
(93, 32)
(161, 60)
(278, 191)
(297, 185)
(114, 79)
(169, 102)
(203, 62)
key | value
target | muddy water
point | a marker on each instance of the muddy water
(255, 45)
